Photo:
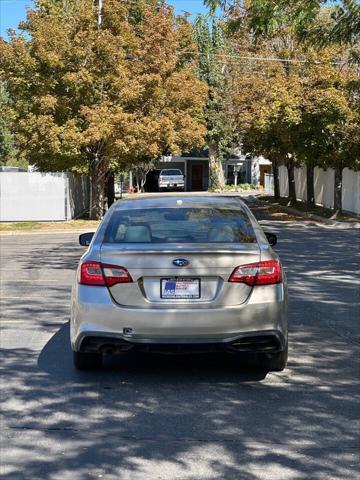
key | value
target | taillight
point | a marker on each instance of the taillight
(261, 273)
(96, 273)
(114, 274)
(91, 274)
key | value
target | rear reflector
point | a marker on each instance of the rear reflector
(261, 273)
(96, 273)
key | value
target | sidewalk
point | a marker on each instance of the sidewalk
(43, 228)
(310, 216)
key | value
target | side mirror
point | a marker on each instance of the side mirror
(272, 238)
(85, 238)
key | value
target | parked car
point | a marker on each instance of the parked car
(183, 274)
(171, 179)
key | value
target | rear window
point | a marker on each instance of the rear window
(171, 172)
(180, 225)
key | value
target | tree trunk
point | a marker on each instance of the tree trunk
(217, 179)
(110, 189)
(275, 168)
(291, 180)
(143, 181)
(98, 190)
(338, 190)
(138, 182)
(310, 193)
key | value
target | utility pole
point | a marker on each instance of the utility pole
(99, 21)
(100, 12)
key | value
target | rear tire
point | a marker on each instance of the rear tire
(87, 361)
(275, 362)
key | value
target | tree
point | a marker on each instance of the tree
(140, 171)
(97, 99)
(327, 107)
(266, 16)
(267, 105)
(7, 149)
(317, 118)
(220, 133)
(268, 98)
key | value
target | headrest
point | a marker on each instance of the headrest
(137, 234)
(221, 234)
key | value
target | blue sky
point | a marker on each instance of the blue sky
(13, 11)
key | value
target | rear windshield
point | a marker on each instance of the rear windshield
(171, 172)
(180, 225)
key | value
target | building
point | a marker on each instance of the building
(237, 169)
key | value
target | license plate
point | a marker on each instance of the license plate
(180, 288)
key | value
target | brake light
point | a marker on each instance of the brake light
(96, 273)
(261, 273)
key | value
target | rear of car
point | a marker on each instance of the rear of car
(171, 179)
(179, 274)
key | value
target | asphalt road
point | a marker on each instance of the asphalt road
(188, 418)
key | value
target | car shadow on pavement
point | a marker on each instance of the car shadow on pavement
(56, 360)
(190, 418)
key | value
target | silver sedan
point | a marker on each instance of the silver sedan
(178, 274)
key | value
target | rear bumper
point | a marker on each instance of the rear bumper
(103, 342)
(171, 187)
(264, 314)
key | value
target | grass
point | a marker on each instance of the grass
(317, 210)
(48, 226)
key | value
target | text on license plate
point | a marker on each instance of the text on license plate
(180, 288)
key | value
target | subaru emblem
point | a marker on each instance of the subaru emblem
(180, 262)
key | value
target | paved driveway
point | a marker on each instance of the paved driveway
(188, 418)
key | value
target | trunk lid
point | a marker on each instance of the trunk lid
(209, 268)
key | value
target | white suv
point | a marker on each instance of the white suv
(171, 179)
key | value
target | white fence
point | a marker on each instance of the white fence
(36, 196)
(324, 187)
(268, 183)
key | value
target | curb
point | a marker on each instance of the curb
(310, 216)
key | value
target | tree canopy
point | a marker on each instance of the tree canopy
(220, 132)
(97, 94)
(265, 17)
(297, 97)
(7, 150)
(93, 98)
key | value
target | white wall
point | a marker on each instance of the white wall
(300, 183)
(283, 181)
(351, 191)
(32, 196)
(324, 187)
(39, 196)
(26, 196)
